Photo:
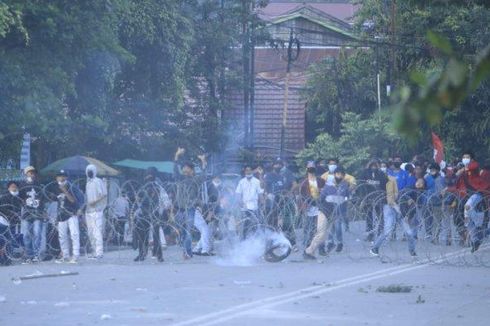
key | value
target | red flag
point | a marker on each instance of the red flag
(438, 148)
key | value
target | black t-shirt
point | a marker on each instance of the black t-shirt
(274, 182)
(11, 208)
(33, 198)
(66, 208)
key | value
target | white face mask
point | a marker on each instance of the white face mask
(383, 169)
(332, 168)
(62, 183)
(249, 176)
(29, 179)
(216, 183)
(466, 161)
(14, 193)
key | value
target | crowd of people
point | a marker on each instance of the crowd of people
(44, 221)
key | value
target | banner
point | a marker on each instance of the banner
(438, 149)
(25, 153)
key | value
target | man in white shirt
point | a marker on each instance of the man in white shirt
(249, 191)
(96, 192)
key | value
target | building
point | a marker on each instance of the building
(321, 29)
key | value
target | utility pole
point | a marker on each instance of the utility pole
(290, 59)
(252, 78)
(246, 71)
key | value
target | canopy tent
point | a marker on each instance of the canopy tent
(76, 165)
(161, 166)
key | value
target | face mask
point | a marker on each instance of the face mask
(29, 179)
(216, 183)
(466, 161)
(62, 183)
(311, 170)
(249, 176)
(332, 168)
(90, 174)
(14, 193)
(383, 169)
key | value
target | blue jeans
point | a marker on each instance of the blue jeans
(32, 237)
(339, 215)
(474, 218)
(391, 218)
(185, 222)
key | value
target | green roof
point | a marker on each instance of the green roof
(161, 166)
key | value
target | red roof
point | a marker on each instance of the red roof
(342, 11)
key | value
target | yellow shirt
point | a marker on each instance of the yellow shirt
(348, 178)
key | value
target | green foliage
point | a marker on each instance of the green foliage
(360, 140)
(119, 78)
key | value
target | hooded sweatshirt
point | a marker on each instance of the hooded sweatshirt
(95, 190)
(471, 180)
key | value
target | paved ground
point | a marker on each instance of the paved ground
(341, 290)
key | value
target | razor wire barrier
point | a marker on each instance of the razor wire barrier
(158, 216)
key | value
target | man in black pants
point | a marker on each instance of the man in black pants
(146, 216)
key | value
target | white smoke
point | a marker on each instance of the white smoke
(250, 251)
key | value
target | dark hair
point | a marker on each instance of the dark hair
(152, 171)
(336, 160)
(339, 169)
(12, 183)
(470, 153)
(189, 164)
(409, 167)
(435, 166)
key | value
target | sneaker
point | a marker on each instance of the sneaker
(35, 260)
(295, 248)
(61, 261)
(322, 251)
(207, 254)
(339, 248)
(139, 258)
(475, 246)
(307, 256)
(27, 261)
(374, 252)
(330, 246)
(73, 260)
(90, 256)
(413, 253)
(186, 256)
(99, 257)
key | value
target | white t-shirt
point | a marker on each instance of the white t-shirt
(121, 207)
(249, 191)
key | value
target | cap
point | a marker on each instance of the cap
(61, 173)
(29, 169)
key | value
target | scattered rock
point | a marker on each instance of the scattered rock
(420, 300)
(394, 288)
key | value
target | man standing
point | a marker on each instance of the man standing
(310, 189)
(33, 216)
(187, 199)
(340, 192)
(375, 180)
(10, 212)
(96, 192)
(70, 201)
(249, 191)
(391, 216)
